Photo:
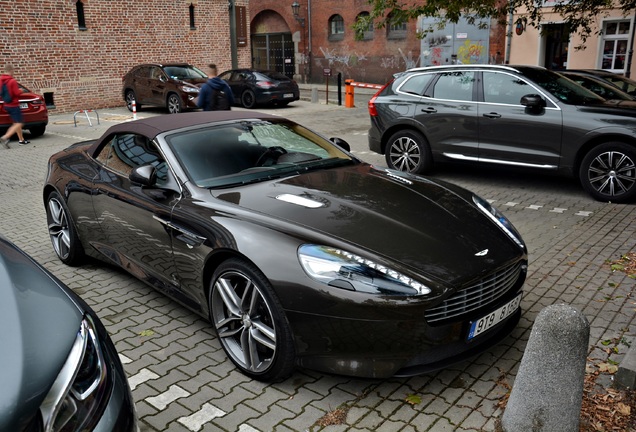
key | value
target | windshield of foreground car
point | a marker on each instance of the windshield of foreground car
(251, 151)
(564, 89)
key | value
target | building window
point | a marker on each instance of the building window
(368, 33)
(336, 28)
(395, 30)
(615, 42)
(191, 8)
(81, 21)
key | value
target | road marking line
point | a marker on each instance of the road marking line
(164, 399)
(141, 377)
(195, 421)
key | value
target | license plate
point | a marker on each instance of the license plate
(288, 95)
(494, 318)
(24, 105)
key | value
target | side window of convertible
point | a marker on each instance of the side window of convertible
(125, 152)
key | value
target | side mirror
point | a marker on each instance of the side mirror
(146, 175)
(533, 101)
(341, 143)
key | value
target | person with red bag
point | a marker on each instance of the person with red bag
(10, 93)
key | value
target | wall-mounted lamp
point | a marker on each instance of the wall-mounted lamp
(295, 9)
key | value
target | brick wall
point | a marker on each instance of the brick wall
(83, 68)
(374, 60)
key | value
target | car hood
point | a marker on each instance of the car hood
(197, 82)
(38, 325)
(410, 220)
(626, 108)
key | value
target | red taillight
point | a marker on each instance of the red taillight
(373, 112)
(265, 84)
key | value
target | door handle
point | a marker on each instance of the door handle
(429, 110)
(492, 115)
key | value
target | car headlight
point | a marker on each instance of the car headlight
(498, 218)
(76, 395)
(189, 89)
(345, 270)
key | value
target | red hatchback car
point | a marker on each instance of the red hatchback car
(34, 111)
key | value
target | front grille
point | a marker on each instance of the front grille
(475, 296)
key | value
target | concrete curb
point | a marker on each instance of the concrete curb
(625, 378)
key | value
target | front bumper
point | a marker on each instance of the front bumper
(382, 349)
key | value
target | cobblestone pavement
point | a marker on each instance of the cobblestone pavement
(182, 381)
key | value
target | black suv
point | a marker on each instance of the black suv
(174, 86)
(521, 116)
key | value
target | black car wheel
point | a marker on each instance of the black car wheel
(608, 172)
(130, 97)
(37, 131)
(248, 99)
(408, 151)
(62, 231)
(174, 103)
(250, 323)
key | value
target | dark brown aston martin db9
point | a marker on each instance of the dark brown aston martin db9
(297, 252)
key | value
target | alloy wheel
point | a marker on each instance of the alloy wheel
(612, 173)
(404, 154)
(59, 230)
(244, 321)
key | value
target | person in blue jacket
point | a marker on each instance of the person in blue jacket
(215, 94)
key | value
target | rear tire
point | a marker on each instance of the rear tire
(408, 151)
(250, 322)
(37, 131)
(248, 99)
(608, 172)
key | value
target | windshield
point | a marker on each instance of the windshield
(251, 151)
(562, 88)
(184, 72)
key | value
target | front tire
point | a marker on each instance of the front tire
(62, 231)
(250, 322)
(130, 98)
(608, 172)
(174, 104)
(248, 99)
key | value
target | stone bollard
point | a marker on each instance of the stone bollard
(548, 392)
(314, 94)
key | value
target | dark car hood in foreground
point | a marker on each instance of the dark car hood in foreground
(422, 224)
(36, 316)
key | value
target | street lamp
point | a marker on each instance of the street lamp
(295, 9)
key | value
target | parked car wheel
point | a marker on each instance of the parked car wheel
(250, 323)
(65, 241)
(248, 99)
(130, 97)
(608, 172)
(174, 104)
(408, 151)
(37, 131)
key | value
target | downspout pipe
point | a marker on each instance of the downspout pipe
(511, 18)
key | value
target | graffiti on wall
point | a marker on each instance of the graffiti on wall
(470, 53)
